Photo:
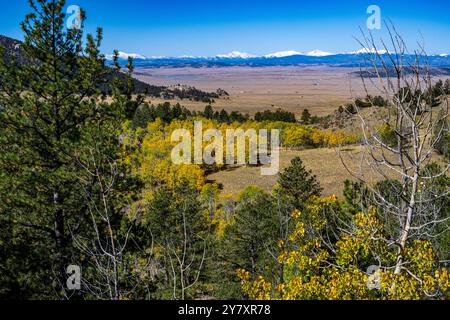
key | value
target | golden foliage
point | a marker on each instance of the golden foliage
(313, 270)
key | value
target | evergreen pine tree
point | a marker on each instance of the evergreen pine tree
(250, 242)
(49, 117)
(298, 183)
(306, 117)
(224, 117)
(209, 112)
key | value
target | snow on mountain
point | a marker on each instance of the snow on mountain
(125, 56)
(155, 57)
(282, 54)
(244, 55)
(236, 54)
(366, 50)
(319, 53)
(314, 53)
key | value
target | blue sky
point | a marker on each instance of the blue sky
(209, 27)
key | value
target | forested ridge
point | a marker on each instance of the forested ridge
(13, 52)
(88, 181)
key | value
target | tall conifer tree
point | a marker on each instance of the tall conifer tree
(48, 105)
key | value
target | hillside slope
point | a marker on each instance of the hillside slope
(13, 48)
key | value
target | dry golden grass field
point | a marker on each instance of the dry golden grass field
(325, 163)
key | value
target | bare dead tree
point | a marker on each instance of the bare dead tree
(416, 123)
(105, 249)
(186, 261)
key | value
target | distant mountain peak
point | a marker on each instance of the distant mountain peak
(125, 56)
(236, 54)
(367, 51)
(319, 53)
(282, 54)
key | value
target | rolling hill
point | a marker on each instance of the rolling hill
(13, 48)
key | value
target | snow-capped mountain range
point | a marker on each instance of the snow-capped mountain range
(231, 55)
(280, 54)
(245, 55)
(282, 58)
(236, 54)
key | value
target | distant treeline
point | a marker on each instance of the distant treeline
(279, 115)
(369, 101)
(192, 93)
(433, 95)
(147, 113)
